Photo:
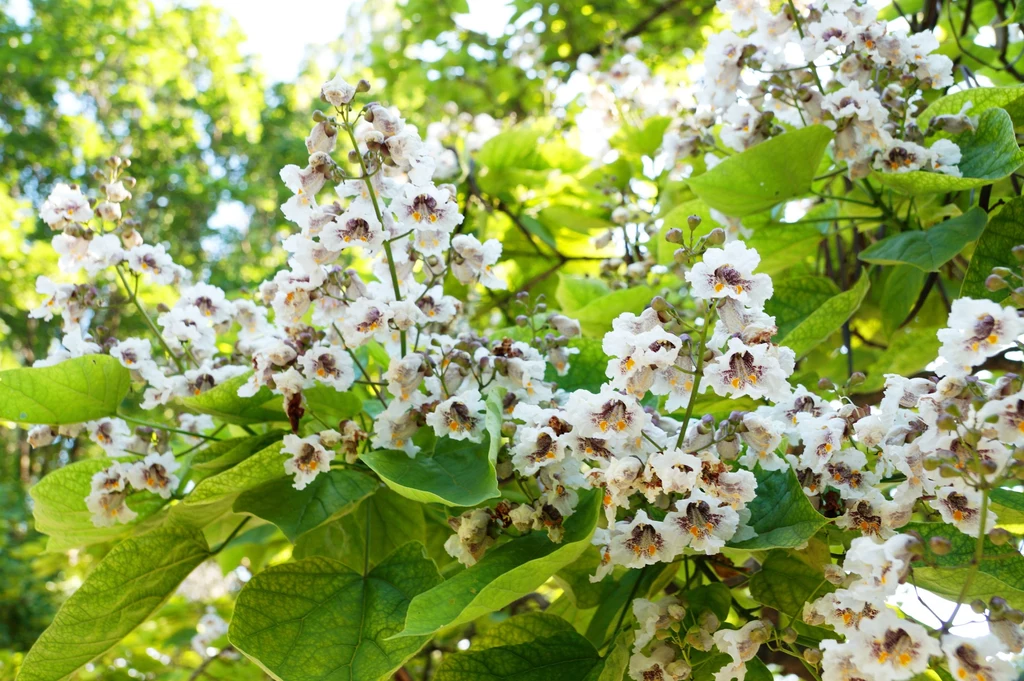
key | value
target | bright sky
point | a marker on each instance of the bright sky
(279, 38)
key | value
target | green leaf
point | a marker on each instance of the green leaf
(520, 629)
(929, 249)
(774, 171)
(539, 230)
(504, 574)
(617, 660)
(795, 299)
(456, 473)
(532, 647)
(642, 140)
(827, 319)
(575, 578)
(903, 286)
(780, 513)
(596, 317)
(1001, 572)
(1008, 506)
(316, 619)
(295, 512)
(782, 245)
(223, 454)
(715, 597)
(573, 293)
(677, 218)
(60, 511)
(73, 391)
(788, 579)
(988, 154)
(328, 403)
(586, 369)
(129, 585)
(909, 352)
(224, 403)
(389, 519)
(262, 467)
(981, 98)
(1004, 231)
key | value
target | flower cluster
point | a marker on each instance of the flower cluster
(854, 75)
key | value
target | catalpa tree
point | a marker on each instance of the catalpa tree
(775, 426)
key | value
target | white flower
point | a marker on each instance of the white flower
(473, 261)
(960, 506)
(357, 226)
(702, 523)
(609, 415)
(459, 417)
(41, 436)
(977, 330)
(652, 667)
(329, 365)
(308, 459)
(729, 273)
(945, 157)
(304, 184)
(741, 646)
(977, 659)
(195, 423)
(65, 206)
(337, 92)
(155, 262)
(155, 473)
(109, 508)
(822, 437)
(210, 301)
(426, 207)
(757, 371)
(1004, 419)
(365, 319)
(642, 541)
(395, 427)
(894, 649)
(536, 448)
(55, 297)
(762, 436)
(677, 470)
(112, 434)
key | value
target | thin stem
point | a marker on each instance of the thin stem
(149, 322)
(380, 217)
(359, 365)
(234, 533)
(169, 429)
(697, 379)
(979, 553)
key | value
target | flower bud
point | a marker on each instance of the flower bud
(1018, 252)
(994, 282)
(674, 236)
(940, 546)
(978, 606)
(716, 237)
(812, 655)
(693, 222)
(999, 536)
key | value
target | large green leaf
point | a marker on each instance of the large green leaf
(1001, 572)
(537, 647)
(224, 403)
(574, 293)
(586, 368)
(988, 154)
(456, 472)
(296, 512)
(504, 574)
(774, 171)
(327, 403)
(387, 518)
(318, 620)
(262, 467)
(981, 98)
(782, 245)
(223, 454)
(60, 511)
(780, 514)
(73, 391)
(826, 319)
(596, 317)
(909, 352)
(929, 249)
(1004, 231)
(903, 286)
(788, 579)
(796, 299)
(129, 585)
